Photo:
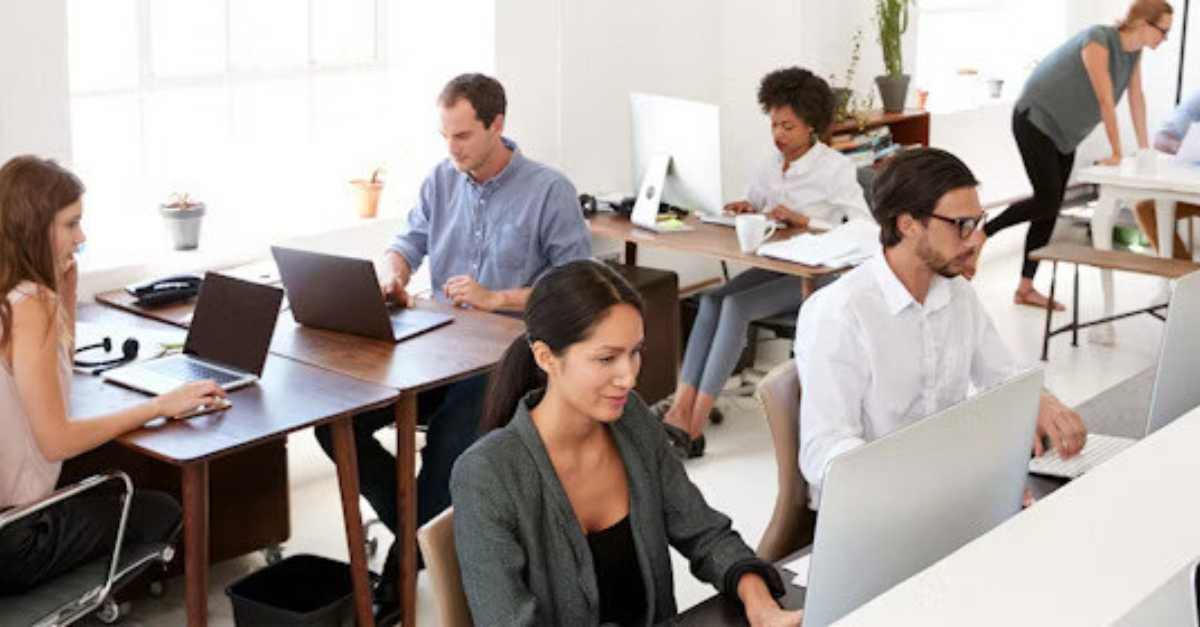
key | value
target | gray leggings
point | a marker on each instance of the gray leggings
(719, 334)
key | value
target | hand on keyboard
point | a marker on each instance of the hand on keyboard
(186, 398)
(1061, 426)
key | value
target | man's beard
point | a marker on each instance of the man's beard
(936, 262)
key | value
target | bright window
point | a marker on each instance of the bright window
(994, 39)
(263, 109)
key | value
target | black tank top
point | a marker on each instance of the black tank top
(618, 575)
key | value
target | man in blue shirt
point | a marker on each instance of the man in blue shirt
(491, 221)
(1168, 140)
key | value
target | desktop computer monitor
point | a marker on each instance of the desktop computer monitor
(688, 133)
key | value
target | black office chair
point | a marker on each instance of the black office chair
(88, 589)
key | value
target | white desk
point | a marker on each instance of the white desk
(1171, 183)
(1084, 555)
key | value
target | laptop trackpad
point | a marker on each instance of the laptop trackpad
(409, 322)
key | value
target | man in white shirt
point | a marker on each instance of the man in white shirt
(904, 336)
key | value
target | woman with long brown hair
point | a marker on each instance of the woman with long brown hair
(1072, 90)
(40, 212)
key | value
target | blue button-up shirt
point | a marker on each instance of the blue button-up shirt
(504, 233)
(1184, 115)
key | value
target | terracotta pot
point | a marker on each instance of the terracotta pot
(366, 197)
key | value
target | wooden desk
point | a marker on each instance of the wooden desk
(709, 240)
(291, 396)
(1083, 556)
(470, 345)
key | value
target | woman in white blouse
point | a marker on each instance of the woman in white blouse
(804, 183)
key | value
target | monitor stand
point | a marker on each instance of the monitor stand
(645, 209)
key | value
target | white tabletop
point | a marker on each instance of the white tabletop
(1168, 176)
(1085, 555)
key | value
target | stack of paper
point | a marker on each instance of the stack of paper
(848, 244)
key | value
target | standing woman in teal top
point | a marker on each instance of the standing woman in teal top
(1071, 91)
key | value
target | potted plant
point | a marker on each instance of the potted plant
(843, 94)
(182, 216)
(366, 194)
(892, 19)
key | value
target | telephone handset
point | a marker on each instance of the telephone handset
(165, 290)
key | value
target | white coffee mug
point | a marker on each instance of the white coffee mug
(752, 230)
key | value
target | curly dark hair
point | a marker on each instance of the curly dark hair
(807, 94)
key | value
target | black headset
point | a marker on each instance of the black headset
(129, 352)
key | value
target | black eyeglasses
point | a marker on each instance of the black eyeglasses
(1162, 31)
(966, 226)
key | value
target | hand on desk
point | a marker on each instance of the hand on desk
(791, 218)
(1060, 425)
(762, 610)
(464, 291)
(186, 398)
(740, 206)
(1111, 160)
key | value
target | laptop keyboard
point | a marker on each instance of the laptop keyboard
(1099, 449)
(191, 370)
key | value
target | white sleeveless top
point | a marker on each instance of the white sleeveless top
(25, 475)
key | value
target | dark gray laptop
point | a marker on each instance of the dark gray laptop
(227, 341)
(342, 294)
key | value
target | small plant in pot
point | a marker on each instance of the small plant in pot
(182, 216)
(892, 19)
(367, 193)
(843, 94)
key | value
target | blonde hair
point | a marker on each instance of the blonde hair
(1149, 11)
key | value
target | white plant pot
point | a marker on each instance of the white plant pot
(183, 225)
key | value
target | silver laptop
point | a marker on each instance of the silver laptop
(1175, 389)
(895, 506)
(342, 294)
(227, 341)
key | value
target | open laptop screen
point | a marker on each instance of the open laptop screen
(233, 322)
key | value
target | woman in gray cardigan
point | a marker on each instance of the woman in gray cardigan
(564, 512)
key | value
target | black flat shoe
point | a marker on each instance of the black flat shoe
(715, 416)
(682, 444)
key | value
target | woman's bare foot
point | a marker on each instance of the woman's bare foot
(1034, 298)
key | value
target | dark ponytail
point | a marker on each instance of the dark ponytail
(566, 305)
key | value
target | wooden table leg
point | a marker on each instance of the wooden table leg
(808, 285)
(630, 254)
(406, 453)
(195, 541)
(346, 458)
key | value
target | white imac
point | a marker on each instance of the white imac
(686, 135)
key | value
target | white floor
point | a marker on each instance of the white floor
(737, 473)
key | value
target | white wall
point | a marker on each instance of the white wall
(33, 79)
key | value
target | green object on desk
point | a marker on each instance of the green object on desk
(670, 223)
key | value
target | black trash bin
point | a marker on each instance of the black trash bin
(301, 590)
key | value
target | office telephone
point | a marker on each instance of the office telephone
(165, 290)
